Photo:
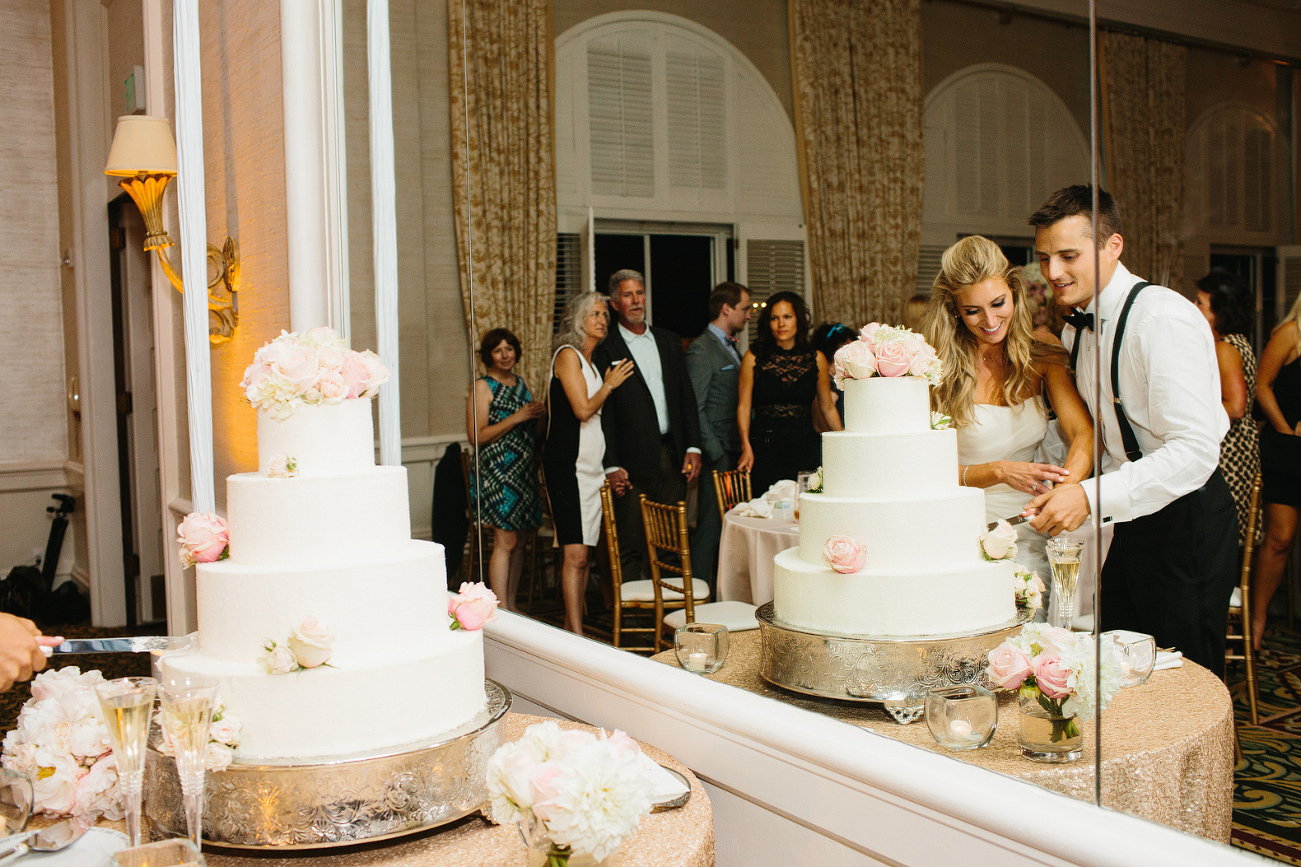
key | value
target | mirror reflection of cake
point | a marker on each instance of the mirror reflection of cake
(321, 563)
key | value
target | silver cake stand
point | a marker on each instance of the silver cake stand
(317, 803)
(897, 672)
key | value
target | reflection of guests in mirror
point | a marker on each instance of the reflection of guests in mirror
(1278, 391)
(826, 339)
(498, 422)
(1045, 312)
(996, 374)
(571, 459)
(1229, 308)
(780, 377)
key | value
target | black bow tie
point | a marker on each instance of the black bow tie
(1079, 319)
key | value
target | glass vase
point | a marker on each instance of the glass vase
(1048, 734)
(543, 852)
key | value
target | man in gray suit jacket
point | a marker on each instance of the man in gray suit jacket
(714, 364)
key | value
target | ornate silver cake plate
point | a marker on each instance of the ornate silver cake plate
(337, 801)
(897, 672)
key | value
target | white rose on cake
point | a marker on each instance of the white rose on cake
(311, 643)
(999, 543)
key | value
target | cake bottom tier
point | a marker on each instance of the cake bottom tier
(328, 711)
(891, 602)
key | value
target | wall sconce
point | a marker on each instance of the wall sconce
(143, 156)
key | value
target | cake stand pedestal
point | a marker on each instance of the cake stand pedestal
(317, 803)
(896, 671)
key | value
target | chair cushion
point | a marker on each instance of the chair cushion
(644, 591)
(736, 616)
(1235, 600)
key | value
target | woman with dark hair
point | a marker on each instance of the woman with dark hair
(495, 422)
(826, 339)
(1227, 304)
(781, 375)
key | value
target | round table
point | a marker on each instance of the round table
(1167, 745)
(746, 548)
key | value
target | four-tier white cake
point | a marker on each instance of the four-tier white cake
(890, 483)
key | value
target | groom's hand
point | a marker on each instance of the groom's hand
(1060, 510)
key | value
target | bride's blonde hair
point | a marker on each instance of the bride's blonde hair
(972, 260)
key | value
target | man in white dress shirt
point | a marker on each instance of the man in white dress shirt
(1171, 566)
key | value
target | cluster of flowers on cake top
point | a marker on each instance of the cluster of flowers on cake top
(204, 538)
(61, 743)
(1028, 588)
(999, 543)
(844, 555)
(310, 645)
(315, 367)
(582, 792)
(1054, 667)
(472, 607)
(884, 350)
(223, 736)
(282, 466)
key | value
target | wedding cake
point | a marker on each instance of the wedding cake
(892, 545)
(326, 627)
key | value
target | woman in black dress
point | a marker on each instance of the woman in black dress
(1278, 391)
(780, 377)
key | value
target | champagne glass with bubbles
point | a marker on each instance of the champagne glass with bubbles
(1064, 557)
(187, 702)
(126, 704)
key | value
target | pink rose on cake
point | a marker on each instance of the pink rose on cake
(844, 555)
(854, 360)
(311, 643)
(204, 538)
(999, 543)
(474, 606)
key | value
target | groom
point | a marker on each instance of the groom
(1171, 567)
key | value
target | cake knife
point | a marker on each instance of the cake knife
(136, 644)
(1019, 519)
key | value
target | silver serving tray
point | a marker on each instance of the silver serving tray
(337, 800)
(897, 671)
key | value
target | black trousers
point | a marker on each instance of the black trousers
(1170, 574)
(669, 486)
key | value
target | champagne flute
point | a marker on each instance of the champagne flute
(1064, 557)
(187, 701)
(126, 704)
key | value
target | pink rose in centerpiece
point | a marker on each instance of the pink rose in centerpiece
(1051, 675)
(204, 538)
(1008, 666)
(474, 606)
(844, 554)
(311, 643)
(854, 360)
(894, 358)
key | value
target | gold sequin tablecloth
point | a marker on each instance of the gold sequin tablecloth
(1167, 746)
(674, 838)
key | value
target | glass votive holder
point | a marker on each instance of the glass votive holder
(701, 647)
(961, 717)
(177, 852)
(782, 510)
(1137, 655)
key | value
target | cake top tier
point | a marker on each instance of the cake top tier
(886, 375)
(310, 369)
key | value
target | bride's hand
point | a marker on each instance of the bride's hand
(1031, 478)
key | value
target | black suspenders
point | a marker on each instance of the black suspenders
(1130, 442)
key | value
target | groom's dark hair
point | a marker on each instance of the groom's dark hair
(1078, 201)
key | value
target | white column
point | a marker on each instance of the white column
(384, 198)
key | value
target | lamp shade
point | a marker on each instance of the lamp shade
(142, 144)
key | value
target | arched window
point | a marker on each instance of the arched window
(1231, 171)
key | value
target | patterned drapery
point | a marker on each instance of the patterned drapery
(858, 85)
(1143, 82)
(503, 175)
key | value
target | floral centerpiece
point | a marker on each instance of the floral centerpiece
(572, 791)
(883, 350)
(312, 368)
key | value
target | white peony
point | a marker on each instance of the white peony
(98, 793)
(55, 784)
(601, 797)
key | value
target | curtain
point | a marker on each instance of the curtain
(1143, 82)
(503, 174)
(858, 89)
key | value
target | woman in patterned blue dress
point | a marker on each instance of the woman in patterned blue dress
(498, 419)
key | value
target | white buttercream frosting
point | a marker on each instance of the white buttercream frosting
(323, 439)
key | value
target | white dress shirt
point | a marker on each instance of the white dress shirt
(1170, 385)
(646, 355)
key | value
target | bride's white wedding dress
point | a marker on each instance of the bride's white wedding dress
(1009, 433)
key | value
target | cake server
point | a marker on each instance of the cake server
(137, 644)
(1019, 519)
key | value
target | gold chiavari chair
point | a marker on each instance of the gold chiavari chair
(732, 487)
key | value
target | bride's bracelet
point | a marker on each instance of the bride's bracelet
(964, 474)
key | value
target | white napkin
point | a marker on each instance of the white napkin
(1168, 659)
(761, 507)
(664, 786)
(92, 850)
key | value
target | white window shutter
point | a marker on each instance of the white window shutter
(621, 128)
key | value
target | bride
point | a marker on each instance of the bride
(996, 376)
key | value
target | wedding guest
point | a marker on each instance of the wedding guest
(498, 422)
(780, 377)
(1278, 391)
(714, 365)
(1171, 566)
(914, 311)
(826, 339)
(1228, 306)
(20, 650)
(997, 374)
(571, 459)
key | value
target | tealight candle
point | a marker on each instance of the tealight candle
(697, 661)
(960, 728)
